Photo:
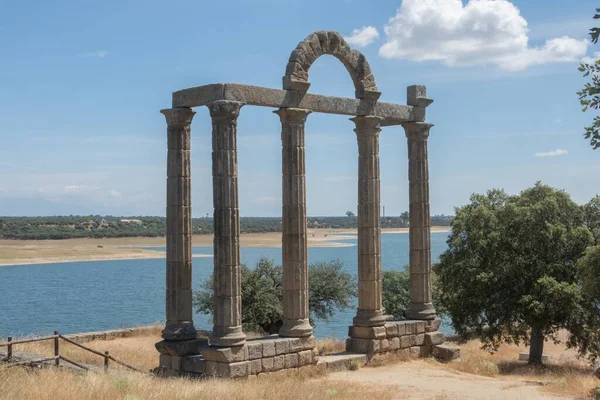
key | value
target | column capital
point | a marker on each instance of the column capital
(292, 115)
(417, 130)
(178, 116)
(225, 109)
(367, 124)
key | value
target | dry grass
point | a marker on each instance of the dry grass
(392, 357)
(51, 384)
(564, 374)
(330, 346)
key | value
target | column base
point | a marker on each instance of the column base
(296, 328)
(179, 331)
(227, 337)
(370, 318)
(421, 311)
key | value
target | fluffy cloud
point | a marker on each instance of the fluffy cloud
(480, 32)
(99, 53)
(362, 37)
(555, 153)
(592, 59)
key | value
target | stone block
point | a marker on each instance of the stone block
(432, 325)
(278, 362)
(304, 358)
(193, 364)
(233, 370)
(254, 367)
(282, 346)
(315, 356)
(176, 363)
(597, 369)
(225, 354)
(295, 345)
(211, 369)
(384, 345)
(420, 327)
(267, 364)
(291, 360)
(419, 351)
(445, 352)
(255, 350)
(401, 327)
(164, 361)
(180, 347)
(367, 332)
(433, 338)
(419, 340)
(405, 342)
(269, 348)
(391, 329)
(394, 343)
(308, 343)
(411, 327)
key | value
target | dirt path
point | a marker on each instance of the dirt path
(424, 381)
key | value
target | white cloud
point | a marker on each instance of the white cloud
(362, 37)
(480, 32)
(77, 188)
(591, 60)
(98, 53)
(555, 153)
(114, 194)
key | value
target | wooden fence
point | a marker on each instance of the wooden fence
(56, 337)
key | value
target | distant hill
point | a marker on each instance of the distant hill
(98, 226)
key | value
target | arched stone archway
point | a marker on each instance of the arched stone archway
(329, 42)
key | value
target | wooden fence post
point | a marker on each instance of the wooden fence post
(56, 349)
(9, 350)
(106, 361)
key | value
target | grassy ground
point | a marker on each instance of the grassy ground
(564, 375)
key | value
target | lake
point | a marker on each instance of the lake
(99, 295)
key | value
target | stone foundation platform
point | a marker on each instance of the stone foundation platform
(269, 354)
(421, 338)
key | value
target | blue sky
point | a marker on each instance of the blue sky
(83, 83)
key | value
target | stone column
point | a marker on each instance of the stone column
(370, 309)
(294, 240)
(179, 324)
(227, 317)
(419, 228)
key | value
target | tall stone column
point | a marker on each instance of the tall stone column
(294, 241)
(419, 229)
(370, 309)
(179, 324)
(227, 317)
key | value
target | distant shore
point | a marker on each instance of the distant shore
(21, 252)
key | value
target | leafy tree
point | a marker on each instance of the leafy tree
(509, 274)
(589, 95)
(330, 289)
(349, 214)
(396, 293)
(591, 217)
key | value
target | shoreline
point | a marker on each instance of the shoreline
(33, 252)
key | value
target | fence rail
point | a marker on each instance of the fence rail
(56, 337)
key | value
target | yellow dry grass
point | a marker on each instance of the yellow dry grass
(330, 346)
(51, 384)
(564, 374)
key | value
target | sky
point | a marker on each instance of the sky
(82, 83)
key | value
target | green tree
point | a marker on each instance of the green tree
(589, 96)
(349, 214)
(591, 217)
(509, 274)
(396, 293)
(330, 289)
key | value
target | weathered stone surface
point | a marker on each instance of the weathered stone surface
(255, 350)
(392, 114)
(340, 362)
(433, 338)
(291, 360)
(391, 329)
(308, 343)
(278, 362)
(419, 351)
(195, 364)
(405, 341)
(295, 345)
(394, 343)
(269, 348)
(445, 352)
(420, 326)
(410, 327)
(282, 346)
(597, 369)
(367, 332)
(432, 325)
(255, 367)
(165, 361)
(180, 347)
(212, 368)
(176, 363)
(267, 364)
(304, 358)
(225, 354)
(384, 345)
(234, 370)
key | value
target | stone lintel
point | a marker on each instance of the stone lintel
(392, 114)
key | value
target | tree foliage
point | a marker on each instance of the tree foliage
(330, 289)
(396, 293)
(509, 273)
(589, 96)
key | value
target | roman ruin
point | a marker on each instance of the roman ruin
(228, 353)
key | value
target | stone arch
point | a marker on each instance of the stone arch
(329, 42)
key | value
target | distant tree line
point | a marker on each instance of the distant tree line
(107, 226)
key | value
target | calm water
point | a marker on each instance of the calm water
(99, 295)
